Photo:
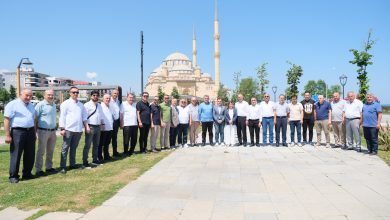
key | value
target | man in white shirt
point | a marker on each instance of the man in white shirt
(280, 119)
(338, 106)
(95, 122)
(73, 117)
(295, 117)
(115, 104)
(184, 119)
(267, 109)
(352, 119)
(253, 121)
(106, 132)
(242, 114)
(128, 118)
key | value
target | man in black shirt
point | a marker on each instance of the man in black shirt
(144, 121)
(308, 117)
(155, 112)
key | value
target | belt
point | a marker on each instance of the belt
(241, 116)
(253, 119)
(353, 118)
(93, 125)
(281, 116)
(46, 129)
(23, 129)
(268, 117)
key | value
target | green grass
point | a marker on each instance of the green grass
(384, 155)
(79, 190)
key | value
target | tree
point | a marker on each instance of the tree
(175, 93)
(362, 60)
(321, 88)
(4, 95)
(311, 86)
(236, 80)
(333, 89)
(249, 88)
(12, 92)
(160, 94)
(223, 93)
(262, 77)
(39, 95)
(293, 78)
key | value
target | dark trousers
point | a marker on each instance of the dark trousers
(371, 136)
(172, 136)
(308, 123)
(207, 126)
(130, 135)
(70, 143)
(254, 130)
(143, 137)
(281, 125)
(23, 142)
(241, 129)
(104, 143)
(182, 133)
(297, 125)
(114, 136)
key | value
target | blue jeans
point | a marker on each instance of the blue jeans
(297, 125)
(268, 122)
(371, 136)
(219, 129)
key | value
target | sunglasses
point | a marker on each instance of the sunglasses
(74, 92)
(266, 96)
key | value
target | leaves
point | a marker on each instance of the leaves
(293, 79)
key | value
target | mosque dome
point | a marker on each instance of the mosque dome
(177, 56)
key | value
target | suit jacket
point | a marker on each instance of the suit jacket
(227, 116)
(174, 116)
(219, 115)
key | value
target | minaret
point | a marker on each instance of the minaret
(216, 50)
(194, 52)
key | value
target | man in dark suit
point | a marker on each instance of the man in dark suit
(219, 112)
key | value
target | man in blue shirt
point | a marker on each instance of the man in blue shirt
(372, 116)
(206, 118)
(46, 113)
(19, 116)
(323, 119)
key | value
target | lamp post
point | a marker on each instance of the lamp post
(274, 89)
(343, 81)
(24, 61)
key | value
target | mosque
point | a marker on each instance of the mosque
(177, 70)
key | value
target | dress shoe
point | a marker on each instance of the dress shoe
(28, 176)
(277, 144)
(51, 171)
(40, 173)
(63, 171)
(203, 144)
(284, 145)
(13, 180)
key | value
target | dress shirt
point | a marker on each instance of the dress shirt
(46, 114)
(337, 110)
(20, 114)
(129, 114)
(281, 110)
(353, 109)
(254, 112)
(184, 115)
(267, 109)
(193, 109)
(242, 109)
(295, 111)
(115, 106)
(97, 117)
(72, 115)
(108, 116)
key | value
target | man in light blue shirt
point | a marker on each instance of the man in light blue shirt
(73, 117)
(372, 116)
(19, 116)
(205, 111)
(46, 113)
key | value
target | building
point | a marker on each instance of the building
(177, 70)
(59, 81)
(28, 78)
(2, 81)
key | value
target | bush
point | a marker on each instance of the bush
(384, 137)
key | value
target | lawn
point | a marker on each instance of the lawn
(79, 190)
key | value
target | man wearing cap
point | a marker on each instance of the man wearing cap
(46, 113)
(19, 116)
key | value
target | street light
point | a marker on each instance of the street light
(24, 61)
(343, 81)
(274, 89)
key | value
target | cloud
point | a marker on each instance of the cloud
(4, 70)
(91, 75)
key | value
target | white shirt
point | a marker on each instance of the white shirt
(129, 114)
(115, 105)
(281, 109)
(184, 115)
(108, 117)
(337, 110)
(267, 109)
(97, 117)
(72, 115)
(353, 110)
(231, 114)
(295, 111)
(242, 108)
(254, 112)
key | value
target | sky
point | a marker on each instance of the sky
(77, 39)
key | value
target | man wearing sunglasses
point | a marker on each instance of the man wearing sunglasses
(73, 118)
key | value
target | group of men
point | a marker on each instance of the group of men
(172, 122)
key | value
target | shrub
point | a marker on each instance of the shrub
(384, 137)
